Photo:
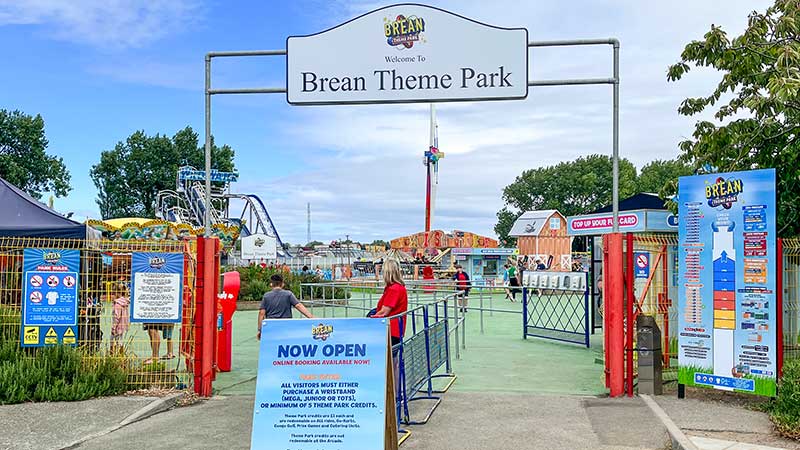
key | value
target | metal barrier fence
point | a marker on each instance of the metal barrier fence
(557, 311)
(103, 328)
(424, 355)
(791, 299)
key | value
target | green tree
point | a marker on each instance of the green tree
(24, 161)
(505, 220)
(129, 177)
(660, 176)
(313, 243)
(757, 123)
(574, 187)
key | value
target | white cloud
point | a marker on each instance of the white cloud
(103, 23)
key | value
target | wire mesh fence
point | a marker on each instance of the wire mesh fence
(791, 299)
(151, 355)
(655, 292)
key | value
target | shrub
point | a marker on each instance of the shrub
(785, 410)
(52, 373)
(255, 282)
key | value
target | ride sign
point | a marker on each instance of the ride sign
(324, 384)
(50, 297)
(407, 53)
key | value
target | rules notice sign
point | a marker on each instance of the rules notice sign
(322, 385)
(157, 287)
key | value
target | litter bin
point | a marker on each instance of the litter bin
(648, 344)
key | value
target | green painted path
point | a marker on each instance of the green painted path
(499, 360)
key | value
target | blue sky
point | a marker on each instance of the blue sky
(98, 70)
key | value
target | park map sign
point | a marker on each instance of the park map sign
(407, 53)
(727, 292)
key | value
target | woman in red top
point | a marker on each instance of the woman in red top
(394, 300)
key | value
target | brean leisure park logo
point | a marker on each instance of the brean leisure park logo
(157, 262)
(51, 257)
(321, 331)
(259, 242)
(403, 30)
(724, 192)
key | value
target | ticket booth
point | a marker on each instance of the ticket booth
(656, 230)
(483, 265)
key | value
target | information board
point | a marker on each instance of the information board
(727, 275)
(322, 385)
(157, 292)
(50, 297)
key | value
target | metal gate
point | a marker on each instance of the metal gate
(559, 311)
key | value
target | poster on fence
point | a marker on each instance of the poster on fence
(727, 274)
(49, 297)
(157, 288)
(324, 384)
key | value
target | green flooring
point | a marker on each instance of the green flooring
(495, 360)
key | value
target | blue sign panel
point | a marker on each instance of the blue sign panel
(157, 288)
(50, 297)
(188, 174)
(727, 281)
(641, 266)
(321, 385)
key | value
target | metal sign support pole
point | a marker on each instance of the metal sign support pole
(565, 82)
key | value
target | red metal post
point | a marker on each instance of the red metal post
(604, 297)
(205, 315)
(199, 282)
(779, 307)
(667, 303)
(629, 319)
(615, 352)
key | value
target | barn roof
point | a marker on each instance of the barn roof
(531, 223)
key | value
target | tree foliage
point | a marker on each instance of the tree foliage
(129, 177)
(24, 161)
(661, 176)
(573, 187)
(756, 106)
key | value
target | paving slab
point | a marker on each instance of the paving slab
(44, 426)
(718, 444)
(721, 421)
(464, 420)
(217, 423)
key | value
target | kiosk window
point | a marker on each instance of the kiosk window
(490, 268)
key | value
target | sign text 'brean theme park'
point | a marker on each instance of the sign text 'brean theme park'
(407, 53)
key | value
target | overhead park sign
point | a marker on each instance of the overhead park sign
(407, 53)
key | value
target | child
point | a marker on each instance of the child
(166, 334)
(120, 322)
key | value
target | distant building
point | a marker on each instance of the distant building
(543, 234)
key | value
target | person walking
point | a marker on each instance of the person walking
(506, 281)
(278, 303)
(513, 280)
(462, 287)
